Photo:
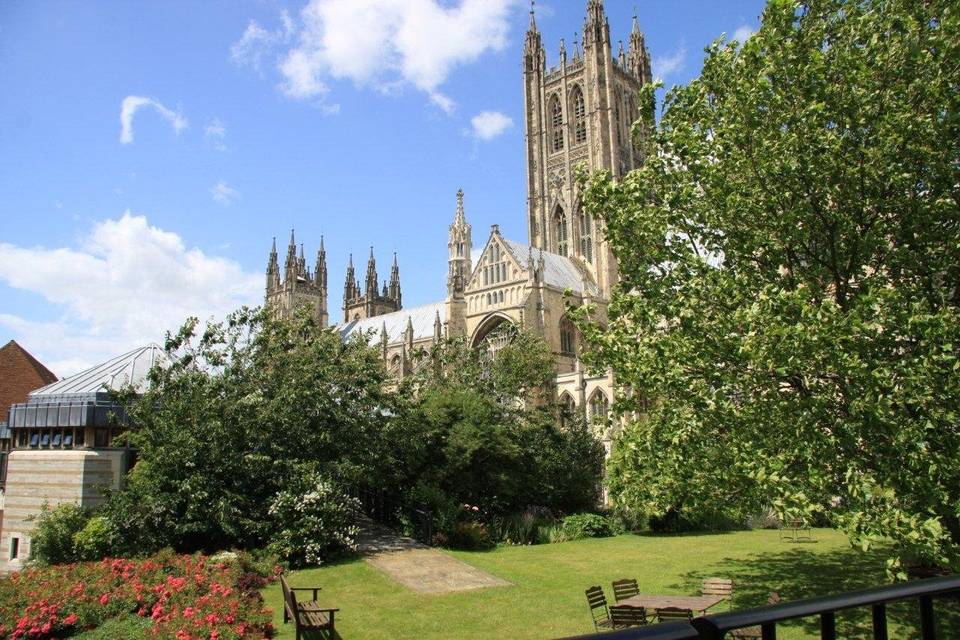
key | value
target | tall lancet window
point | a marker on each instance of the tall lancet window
(586, 236)
(556, 123)
(560, 230)
(579, 117)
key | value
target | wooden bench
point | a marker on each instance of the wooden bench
(307, 616)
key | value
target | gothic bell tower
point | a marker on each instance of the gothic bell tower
(579, 112)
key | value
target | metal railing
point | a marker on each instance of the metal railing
(717, 627)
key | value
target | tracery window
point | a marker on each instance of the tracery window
(556, 123)
(599, 407)
(568, 335)
(560, 230)
(568, 409)
(579, 117)
(586, 236)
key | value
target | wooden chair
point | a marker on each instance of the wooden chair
(307, 616)
(598, 608)
(623, 589)
(669, 614)
(718, 587)
(623, 617)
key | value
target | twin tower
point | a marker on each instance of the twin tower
(299, 287)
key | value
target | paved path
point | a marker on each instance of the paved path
(419, 567)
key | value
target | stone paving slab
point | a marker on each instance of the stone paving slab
(421, 568)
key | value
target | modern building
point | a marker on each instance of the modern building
(577, 113)
(63, 446)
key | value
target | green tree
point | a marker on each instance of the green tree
(240, 412)
(790, 264)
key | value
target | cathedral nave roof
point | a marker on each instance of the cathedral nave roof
(422, 319)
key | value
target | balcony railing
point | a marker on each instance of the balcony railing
(716, 627)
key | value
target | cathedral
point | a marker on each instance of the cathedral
(577, 112)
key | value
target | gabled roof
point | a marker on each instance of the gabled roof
(422, 318)
(130, 368)
(14, 350)
(559, 271)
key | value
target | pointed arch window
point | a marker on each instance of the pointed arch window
(579, 117)
(599, 407)
(586, 236)
(568, 409)
(556, 123)
(560, 231)
(568, 337)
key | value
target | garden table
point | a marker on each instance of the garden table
(651, 602)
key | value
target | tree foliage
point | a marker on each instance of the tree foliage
(790, 264)
(239, 413)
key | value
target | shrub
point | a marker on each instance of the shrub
(95, 540)
(766, 519)
(470, 536)
(52, 541)
(586, 525)
(315, 520)
(527, 527)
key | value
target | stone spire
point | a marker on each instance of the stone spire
(349, 285)
(394, 291)
(596, 29)
(320, 277)
(576, 46)
(290, 266)
(459, 246)
(437, 327)
(384, 341)
(563, 51)
(273, 268)
(409, 334)
(638, 59)
(370, 286)
(533, 54)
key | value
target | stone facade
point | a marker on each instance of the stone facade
(35, 478)
(578, 113)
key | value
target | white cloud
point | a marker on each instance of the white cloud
(125, 285)
(383, 44)
(223, 194)
(487, 125)
(216, 133)
(668, 65)
(256, 43)
(132, 104)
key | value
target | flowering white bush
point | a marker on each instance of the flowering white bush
(314, 520)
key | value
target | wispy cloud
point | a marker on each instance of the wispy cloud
(665, 66)
(487, 125)
(743, 33)
(132, 104)
(257, 43)
(216, 133)
(224, 194)
(124, 285)
(384, 44)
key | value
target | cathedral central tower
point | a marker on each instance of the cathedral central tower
(579, 111)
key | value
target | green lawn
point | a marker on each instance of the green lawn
(547, 599)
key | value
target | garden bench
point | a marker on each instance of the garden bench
(307, 616)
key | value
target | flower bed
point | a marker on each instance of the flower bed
(185, 597)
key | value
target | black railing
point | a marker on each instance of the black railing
(716, 627)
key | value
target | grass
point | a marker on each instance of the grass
(547, 599)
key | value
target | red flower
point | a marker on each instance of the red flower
(70, 619)
(105, 598)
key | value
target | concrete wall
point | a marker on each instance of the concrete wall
(54, 477)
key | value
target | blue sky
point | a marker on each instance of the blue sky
(355, 119)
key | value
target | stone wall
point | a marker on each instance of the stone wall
(54, 477)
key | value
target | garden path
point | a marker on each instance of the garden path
(419, 567)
